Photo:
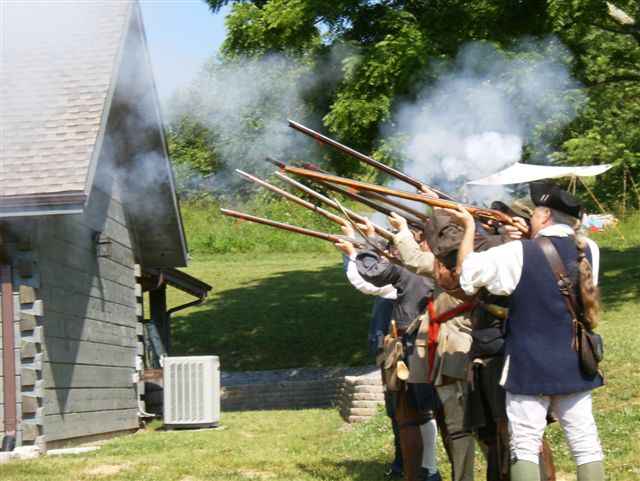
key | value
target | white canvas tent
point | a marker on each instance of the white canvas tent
(519, 173)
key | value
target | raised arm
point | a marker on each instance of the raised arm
(411, 255)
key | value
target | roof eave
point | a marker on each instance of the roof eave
(72, 202)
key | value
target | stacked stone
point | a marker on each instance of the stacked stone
(281, 395)
(28, 313)
(360, 397)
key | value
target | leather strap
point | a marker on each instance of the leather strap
(564, 282)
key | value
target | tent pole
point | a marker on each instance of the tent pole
(624, 190)
(633, 183)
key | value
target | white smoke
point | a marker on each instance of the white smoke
(482, 112)
(246, 104)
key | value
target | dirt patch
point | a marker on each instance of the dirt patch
(255, 474)
(564, 477)
(106, 469)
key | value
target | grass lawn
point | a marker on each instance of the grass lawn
(273, 311)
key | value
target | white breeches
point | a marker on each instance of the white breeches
(528, 420)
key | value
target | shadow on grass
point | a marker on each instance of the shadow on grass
(352, 470)
(620, 275)
(310, 318)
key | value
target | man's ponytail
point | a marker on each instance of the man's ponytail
(589, 292)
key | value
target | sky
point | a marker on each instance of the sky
(182, 35)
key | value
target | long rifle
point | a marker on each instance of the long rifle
(325, 213)
(381, 231)
(398, 205)
(358, 197)
(365, 158)
(414, 222)
(292, 228)
(487, 214)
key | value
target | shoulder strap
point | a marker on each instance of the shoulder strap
(557, 266)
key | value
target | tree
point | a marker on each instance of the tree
(389, 48)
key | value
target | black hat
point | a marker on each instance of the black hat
(547, 194)
(444, 237)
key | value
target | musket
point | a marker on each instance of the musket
(350, 193)
(398, 205)
(381, 231)
(292, 228)
(325, 213)
(487, 214)
(365, 158)
(358, 197)
(366, 197)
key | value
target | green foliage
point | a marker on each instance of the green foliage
(390, 49)
(209, 232)
(191, 144)
(608, 63)
(281, 25)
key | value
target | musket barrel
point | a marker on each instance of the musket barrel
(364, 158)
(291, 228)
(397, 204)
(381, 231)
(325, 213)
(356, 195)
(357, 185)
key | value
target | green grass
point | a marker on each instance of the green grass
(271, 311)
(209, 232)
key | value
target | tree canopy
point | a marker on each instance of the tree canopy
(389, 50)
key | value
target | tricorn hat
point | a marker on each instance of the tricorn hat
(547, 194)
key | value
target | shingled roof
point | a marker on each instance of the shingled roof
(77, 94)
(55, 85)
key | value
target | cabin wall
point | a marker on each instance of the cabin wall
(90, 322)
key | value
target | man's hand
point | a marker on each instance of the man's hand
(428, 192)
(398, 222)
(347, 230)
(462, 216)
(346, 247)
(367, 228)
(512, 232)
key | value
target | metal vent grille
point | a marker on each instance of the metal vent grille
(191, 391)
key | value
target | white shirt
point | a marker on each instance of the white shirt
(387, 291)
(499, 268)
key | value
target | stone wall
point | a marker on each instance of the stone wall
(360, 396)
(357, 392)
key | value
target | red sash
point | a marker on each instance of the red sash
(434, 327)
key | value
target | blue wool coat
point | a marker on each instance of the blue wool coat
(539, 329)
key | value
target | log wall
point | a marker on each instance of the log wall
(90, 322)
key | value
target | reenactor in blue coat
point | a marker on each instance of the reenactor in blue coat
(542, 368)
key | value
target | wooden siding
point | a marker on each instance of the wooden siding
(90, 341)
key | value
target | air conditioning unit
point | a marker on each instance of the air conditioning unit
(191, 391)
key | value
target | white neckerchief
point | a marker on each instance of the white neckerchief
(557, 230)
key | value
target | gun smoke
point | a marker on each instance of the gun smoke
(245, 103)
(486, 111)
